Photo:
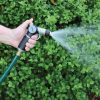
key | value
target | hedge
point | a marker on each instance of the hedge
(48, 72)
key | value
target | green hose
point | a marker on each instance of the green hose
(2, 78)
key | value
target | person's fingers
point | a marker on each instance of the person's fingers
(29, 45)
(31, 41)
(34, 37)
(27, 49)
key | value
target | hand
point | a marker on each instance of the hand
(18, 33)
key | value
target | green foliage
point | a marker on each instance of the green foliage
(48, 72)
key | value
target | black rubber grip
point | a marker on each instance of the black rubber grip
(47, 32)
(25, 39)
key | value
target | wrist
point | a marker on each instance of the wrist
(5, 36)
(13, 36)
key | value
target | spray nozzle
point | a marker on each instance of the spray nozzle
(37, 30)
(32, 30)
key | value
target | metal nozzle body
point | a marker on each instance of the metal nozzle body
(34, 30)
(43, 31)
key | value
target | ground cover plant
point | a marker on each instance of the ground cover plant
(49, 72)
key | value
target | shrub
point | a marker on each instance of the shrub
(48, 72)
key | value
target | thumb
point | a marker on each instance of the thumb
(26, 23)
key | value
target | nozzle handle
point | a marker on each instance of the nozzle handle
(32, 30)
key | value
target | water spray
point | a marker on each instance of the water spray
(32, 30)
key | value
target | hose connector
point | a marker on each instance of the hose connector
(19, 52)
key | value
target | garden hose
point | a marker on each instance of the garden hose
(10, 67)
(32, 30)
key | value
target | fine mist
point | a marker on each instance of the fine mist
(83, 42)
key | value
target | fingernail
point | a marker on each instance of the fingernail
(31, 19)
